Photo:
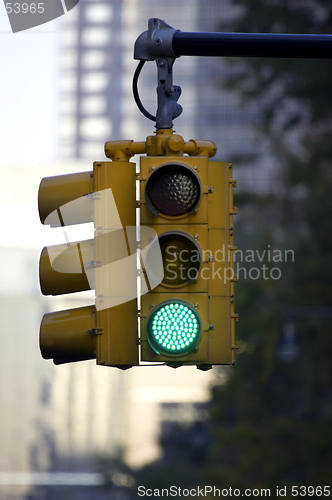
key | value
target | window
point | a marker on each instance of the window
(98, 13)
(92, 59)
(95, 82)
(93, 104)
(96, 37)
(96, 128)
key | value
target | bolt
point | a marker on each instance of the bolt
(196, 236)
(210, 189)
(170, 90)
(175, 143)
(196, 305)
(195, 168)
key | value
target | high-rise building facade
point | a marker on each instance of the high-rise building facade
(97, 67)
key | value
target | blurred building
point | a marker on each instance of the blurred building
(96, 59)
(97, 67)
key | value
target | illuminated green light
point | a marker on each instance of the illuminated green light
(173, 328)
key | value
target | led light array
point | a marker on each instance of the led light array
(175, 328)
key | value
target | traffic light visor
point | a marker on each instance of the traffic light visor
(174, 328)
(66, 336)
(181, 259)
(173, 190)
(63, 200)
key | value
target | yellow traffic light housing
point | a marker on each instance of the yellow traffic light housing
(106, 330)
(178, 257)
(187, 199)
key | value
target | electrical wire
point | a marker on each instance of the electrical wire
(136, 95)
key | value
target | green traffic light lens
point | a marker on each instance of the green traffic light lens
(173, 328)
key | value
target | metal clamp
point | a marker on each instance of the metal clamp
(155, 44)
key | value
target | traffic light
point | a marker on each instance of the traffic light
(178, 258)
(106, 330)
(189, 316)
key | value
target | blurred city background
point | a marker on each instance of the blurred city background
(80, 431)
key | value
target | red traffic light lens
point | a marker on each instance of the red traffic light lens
(173, 190)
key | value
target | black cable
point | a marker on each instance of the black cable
(136, 95)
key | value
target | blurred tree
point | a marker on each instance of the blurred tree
(272, 420)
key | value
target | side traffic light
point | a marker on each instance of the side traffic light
(106, 330)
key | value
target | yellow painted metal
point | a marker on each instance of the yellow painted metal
(199, 302)
(164, 142)
(220, 335)
(123, 150)
(65, 268)
(186, 246)
(116, 263)
(117, 345)
(109, 329)
(200, 148)
(68, 336)
(198, 165)
(55, 192)
(212, 224)
(217, 341)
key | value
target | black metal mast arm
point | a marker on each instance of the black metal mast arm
(161, 40)
(252, 45)
(163, 44)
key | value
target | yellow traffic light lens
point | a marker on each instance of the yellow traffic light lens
(173, 328)
(181, 258)
(173, 190)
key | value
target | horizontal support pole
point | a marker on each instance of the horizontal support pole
(252, 45)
